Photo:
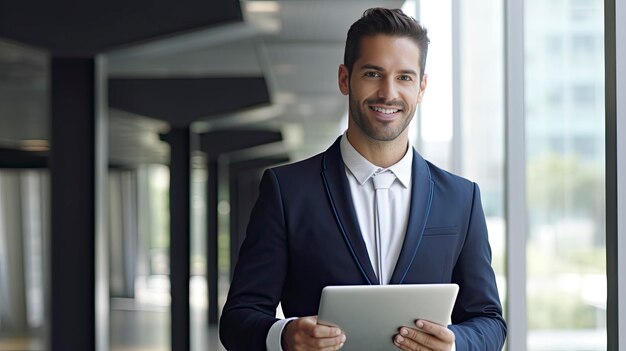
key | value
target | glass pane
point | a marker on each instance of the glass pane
(24, 210)
(566, 273)
(141, 320)
(23, 233)
(482, 116)
(435, 112)
(199, 303)
(482, 105)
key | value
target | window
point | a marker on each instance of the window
(482, 116)
(583, 44)
(583, 94)
(566, 273)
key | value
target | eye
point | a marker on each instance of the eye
(406, 77)
(372, 74)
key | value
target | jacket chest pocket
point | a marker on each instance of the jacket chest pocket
(442, 231)
(437, 255)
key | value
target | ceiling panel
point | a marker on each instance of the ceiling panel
(181, 101)
(69, 27)
(234, 59)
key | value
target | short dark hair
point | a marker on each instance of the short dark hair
(392, 22)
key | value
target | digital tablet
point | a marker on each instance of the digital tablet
(370, 315)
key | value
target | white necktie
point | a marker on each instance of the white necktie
(382, 182)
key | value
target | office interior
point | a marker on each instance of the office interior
(133, 138)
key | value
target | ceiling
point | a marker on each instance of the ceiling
(295, 45)
(71, 28)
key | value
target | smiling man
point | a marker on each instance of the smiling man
(321, 222)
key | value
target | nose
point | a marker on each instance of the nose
(387, 89)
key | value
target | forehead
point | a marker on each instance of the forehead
(388, 51)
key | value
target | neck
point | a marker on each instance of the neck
(383, 154)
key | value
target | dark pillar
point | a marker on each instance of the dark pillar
(212, 269)
(180, 215)
(72, 181)
(217, 143)
(245, 177)
(244, 190)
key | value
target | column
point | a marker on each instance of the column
(180, 229)
(72, 191)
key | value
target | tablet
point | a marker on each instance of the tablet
(370, 315)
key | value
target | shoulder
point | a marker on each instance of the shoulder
(297, 173)
(449, 182)
(312, 166)
(303, 166)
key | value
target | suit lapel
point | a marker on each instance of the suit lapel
(421, 200)
(340, 200)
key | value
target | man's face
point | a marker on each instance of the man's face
(384, 87)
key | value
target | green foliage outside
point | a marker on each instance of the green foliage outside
(564, 191)
(552, 305)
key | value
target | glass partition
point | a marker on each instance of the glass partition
(564, 89)
(482, 116)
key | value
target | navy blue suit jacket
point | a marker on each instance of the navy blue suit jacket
(303, 235)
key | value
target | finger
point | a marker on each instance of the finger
(406, 344)
(336, 347)
(414, 337)
(439, 331)
(324, 331)
(332, 348)
(328, 344)
(311, 336)
(340, 346)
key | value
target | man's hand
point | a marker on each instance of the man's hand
(305, 334)
(427, 336)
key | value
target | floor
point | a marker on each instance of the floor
(143, 323)
(134, 331)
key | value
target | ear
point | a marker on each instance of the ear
(423, 84)
(344, 79)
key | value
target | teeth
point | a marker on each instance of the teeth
(384, 110)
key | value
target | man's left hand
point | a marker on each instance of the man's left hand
(427, 336)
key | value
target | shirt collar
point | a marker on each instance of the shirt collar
(362, 169)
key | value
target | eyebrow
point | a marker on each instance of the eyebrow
(380, 69)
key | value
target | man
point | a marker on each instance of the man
(316, 224)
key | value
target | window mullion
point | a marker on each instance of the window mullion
(515, 176)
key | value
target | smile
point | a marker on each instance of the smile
(387, 111)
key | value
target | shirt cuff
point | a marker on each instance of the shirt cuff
(274, 335)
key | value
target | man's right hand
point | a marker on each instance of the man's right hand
(304, 334)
